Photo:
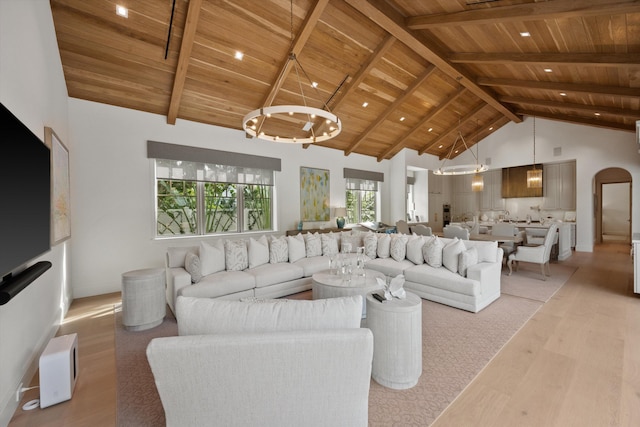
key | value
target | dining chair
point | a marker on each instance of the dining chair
(402, 227)
(451, 231)
(505, 229)
(536, 254)
(421, 230)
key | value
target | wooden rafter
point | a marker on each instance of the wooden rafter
(580, 120)
(470, 115)
(393, 23)
(587, 59)
(391, 108)
(555, 9)
(566, 87)
(189, 34)
(430, 115)
(621, 112)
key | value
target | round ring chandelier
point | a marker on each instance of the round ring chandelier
(253, 123)
(460, 169)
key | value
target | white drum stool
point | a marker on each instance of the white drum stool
(143, 299)
(397, 340)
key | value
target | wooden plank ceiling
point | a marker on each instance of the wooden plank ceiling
(428, 71)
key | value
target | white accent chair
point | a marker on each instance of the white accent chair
(505, 229)
(451, 231)
(536, 254)
(402, 227)
(421, 230)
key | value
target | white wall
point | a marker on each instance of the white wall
(32, 87)
(112, 194)
(594, 149)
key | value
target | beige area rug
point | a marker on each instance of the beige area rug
(527, 281)
(457, 345)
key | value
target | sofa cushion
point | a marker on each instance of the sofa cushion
(388, 266)
(398, 246)
(270, 274)
(414, 249)
(313, 265)
(432, 251)
(451, 253)
(442, 278)
(212, 257)
(192, 265)
(220, 284)
(351, 242)
(297, 248)
(466, 259)
(278, 250)
(236, 256)
(258, 251)
(329, 244)
(384, 246)
(203, 316)
(312, 244)
(370, 241)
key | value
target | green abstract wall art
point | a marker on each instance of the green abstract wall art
(314, 194)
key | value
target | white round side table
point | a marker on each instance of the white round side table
(397, 340)
(143, 299)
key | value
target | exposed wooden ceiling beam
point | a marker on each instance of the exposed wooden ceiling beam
(391, 108)
(189, 34)
(621, 112)
(556, 9)
(463, 120)
(562, 87)
(394, 148)
(588, 59)
(579, 120)
(308, 25)
(389, 19)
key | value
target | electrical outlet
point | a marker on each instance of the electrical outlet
(19, 393)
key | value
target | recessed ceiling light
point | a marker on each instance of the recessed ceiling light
(456, 151)
(314, 84)
(525, 34)
(122, 11)
(597, 114)
(430, 129)
(239, 55)
(402, 119)
(364, 104)
(440, 146)
(548, 70)
(491, 128)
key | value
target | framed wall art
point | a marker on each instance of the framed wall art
(314, 194)
(60, 188)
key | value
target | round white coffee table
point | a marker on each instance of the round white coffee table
(397, 340)
(327, 285)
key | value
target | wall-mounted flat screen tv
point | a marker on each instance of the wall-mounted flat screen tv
(25, 193)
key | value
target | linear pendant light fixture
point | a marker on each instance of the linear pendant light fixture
(534, 176)
(292, 123)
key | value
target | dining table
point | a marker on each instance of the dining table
(491, 238)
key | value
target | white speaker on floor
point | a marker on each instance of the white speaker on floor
(58, 370)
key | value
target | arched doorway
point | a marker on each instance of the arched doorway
(613, 205)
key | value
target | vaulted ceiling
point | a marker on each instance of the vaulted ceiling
(430, 71)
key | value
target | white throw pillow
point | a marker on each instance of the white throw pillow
(432, 252)
(235, 252)
(296, 247)
(192, 265)
(212, 257)
(313, 244)
(398, 246)
(450, 254)
(384, 246)
(370, 241)
(467, 259)
(258, 251)
(329, 244)
(351, 243)
(414, 249)
(278, 250)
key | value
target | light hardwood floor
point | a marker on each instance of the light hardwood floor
(575, 363)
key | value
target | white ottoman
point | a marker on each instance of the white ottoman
(397, 340)
(143, 299)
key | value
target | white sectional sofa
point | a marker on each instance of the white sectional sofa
(280, 266)
(267, 363)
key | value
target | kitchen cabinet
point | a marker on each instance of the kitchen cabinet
(559, 180)
(514, 182)
(436, 184)
(465, 201)
(491, 196)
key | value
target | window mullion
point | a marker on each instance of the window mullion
(200, 201)
(240, 211)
